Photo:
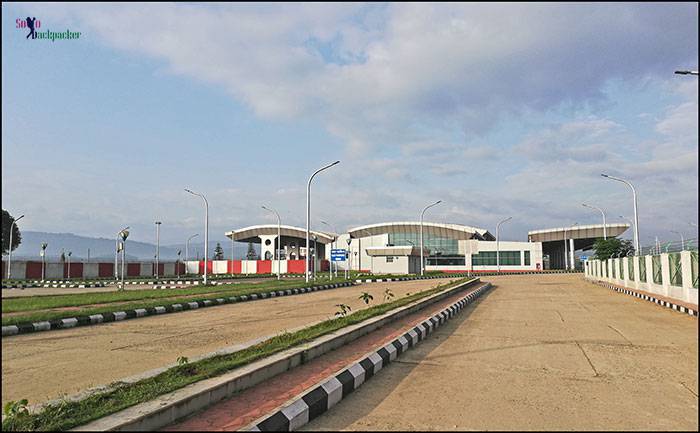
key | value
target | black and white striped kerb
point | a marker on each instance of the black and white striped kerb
(95, 319)
(681, 308)
(464, 274)
(62, 286)
(326, 395)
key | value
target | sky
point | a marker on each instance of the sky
(498, 110)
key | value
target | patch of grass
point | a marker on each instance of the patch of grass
(69, 414)
(115, 300)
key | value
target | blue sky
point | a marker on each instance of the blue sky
(498, 110)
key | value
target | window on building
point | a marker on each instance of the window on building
(443, 251)
(527, 258)
(488, 258)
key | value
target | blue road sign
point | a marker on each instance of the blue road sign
(584, 258)
(338, 255)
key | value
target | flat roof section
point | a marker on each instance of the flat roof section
(449, 231)
(593, 231)
(250, 234)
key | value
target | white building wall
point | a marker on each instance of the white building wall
(249, 266)
(219, 266)
(475, 246)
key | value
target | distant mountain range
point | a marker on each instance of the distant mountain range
(102, 249)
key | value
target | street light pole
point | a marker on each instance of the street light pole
(69, 254)
(308, 214)
(682, 240)
(124, 234)
(278, 242)
(422, 263)
(636, 216)
(43, 260)
(206, 231)
(187, 250)
(605, 228)
(9, 257)
(116, 255)
(157, 246)
(333, 245)
(498, 246)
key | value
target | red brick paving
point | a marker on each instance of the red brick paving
(251, 404)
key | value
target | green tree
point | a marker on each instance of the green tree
(606, 248)
(7, 221)
(218, 252)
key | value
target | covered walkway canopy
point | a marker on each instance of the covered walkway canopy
(253, 233)
(447, 231)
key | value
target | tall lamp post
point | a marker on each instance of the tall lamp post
(422, 263)
(9, 257)
(637, 251)
(314, 237)
(158, 223)
(605, 228)
(278, 242)
(187, 250)
(124, 234)
(43, 260)
(177, 263)
(333, 245)
(498, 246)
(69, 254)
(206, 231)
(308, 214)
(116, 254)
(348, 256)
(682, 240)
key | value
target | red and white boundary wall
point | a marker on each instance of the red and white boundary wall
(626, 273)
(32, 269)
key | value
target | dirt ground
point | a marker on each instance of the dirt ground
(49, 364)
(548, 352)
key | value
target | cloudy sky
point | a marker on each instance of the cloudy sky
(497, 109)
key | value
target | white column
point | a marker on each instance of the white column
(571, 254)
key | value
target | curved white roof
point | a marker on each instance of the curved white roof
(450, 231)
(593, 231)
(250, 234)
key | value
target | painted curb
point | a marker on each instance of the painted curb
(663, 303)
(178, 404)
(94, 319)
(302, 409)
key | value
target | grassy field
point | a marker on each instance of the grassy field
(67, 414)
(38, 308)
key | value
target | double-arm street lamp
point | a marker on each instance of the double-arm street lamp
(422, 263)
(308, 215)
(637, 251)
(278, 243)
(9, 257)
(206, 231)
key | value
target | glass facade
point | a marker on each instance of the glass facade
(443, 251)
(488, 258)
(527, 258)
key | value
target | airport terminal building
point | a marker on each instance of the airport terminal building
(394, 247)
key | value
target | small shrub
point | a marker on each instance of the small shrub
(344, 310)
(182, 360)
(15, 412)
(366, 297)
(388, 294)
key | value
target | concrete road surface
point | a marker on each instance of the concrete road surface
(549, 352)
